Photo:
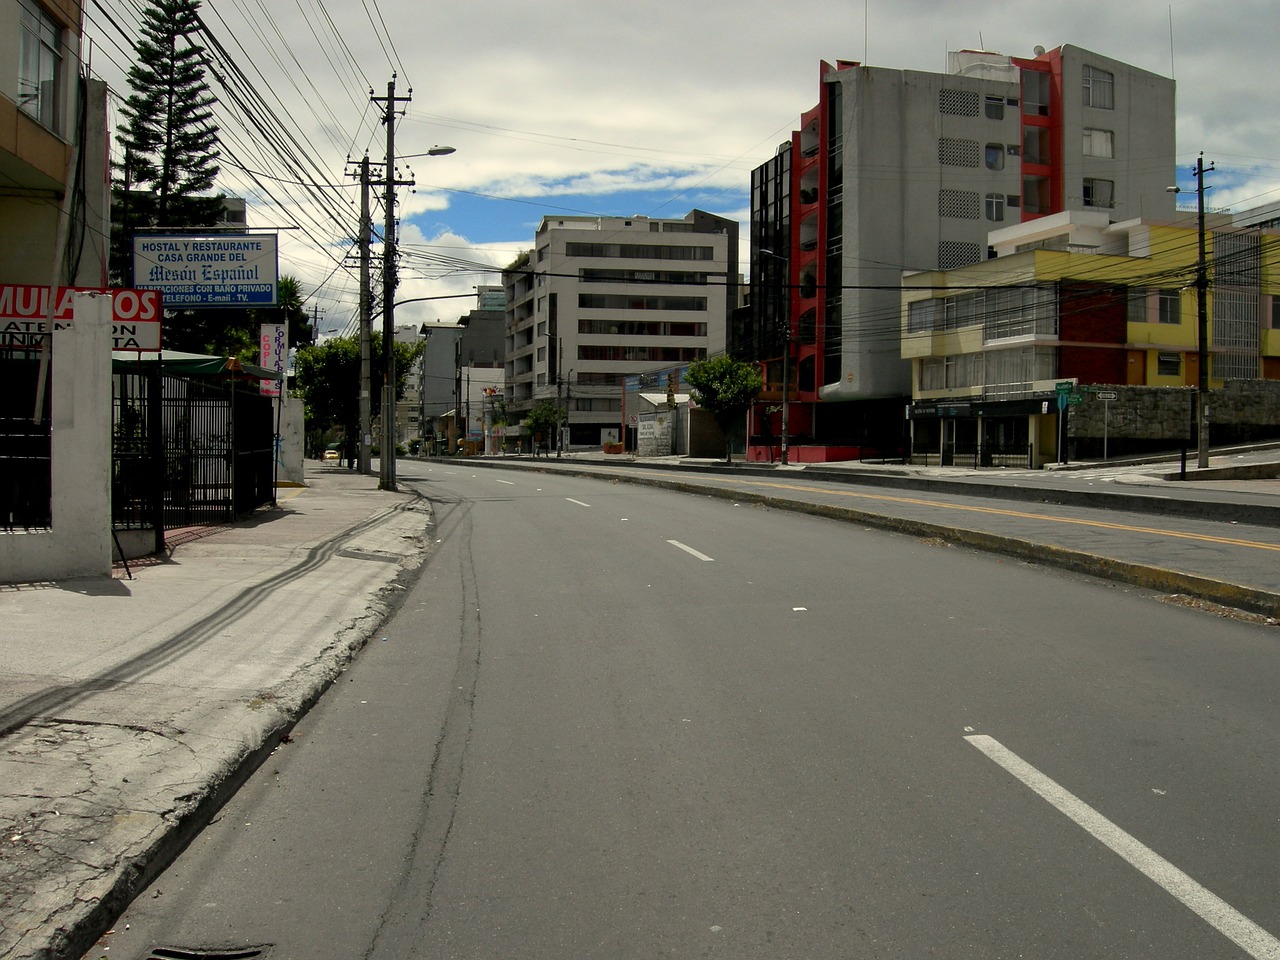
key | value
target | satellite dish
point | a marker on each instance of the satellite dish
(1039, 50)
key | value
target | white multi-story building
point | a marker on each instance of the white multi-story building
(599, 299)
(898, 170)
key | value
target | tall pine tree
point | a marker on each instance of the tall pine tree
(169, 139)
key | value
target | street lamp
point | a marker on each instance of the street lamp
(1202, 317)
(784, 311)
(436, 151)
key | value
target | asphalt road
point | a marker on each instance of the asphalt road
(614, 721)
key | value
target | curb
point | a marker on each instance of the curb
(70, 934)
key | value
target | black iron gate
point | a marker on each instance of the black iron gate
(219, 450)
(188, 451)
(137, 489)
(26, 447)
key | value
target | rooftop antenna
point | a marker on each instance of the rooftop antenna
(1173, 74)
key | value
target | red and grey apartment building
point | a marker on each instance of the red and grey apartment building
(897, 171)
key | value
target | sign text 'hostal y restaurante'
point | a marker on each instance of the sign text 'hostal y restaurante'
(222, 270)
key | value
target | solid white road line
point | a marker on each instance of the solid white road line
(1210, 908)
(686, 549)
(509, 483)
(578, 502)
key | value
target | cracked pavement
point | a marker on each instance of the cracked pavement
(130, 709)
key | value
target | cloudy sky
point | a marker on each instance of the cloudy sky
(642, 107)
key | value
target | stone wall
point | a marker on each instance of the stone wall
(1146, 419)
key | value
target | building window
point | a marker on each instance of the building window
(995, 207)
(1137, 309)
(638, 251)
(627, 301)
(995, 108)
(1099, 88)
(1170, 306)
(1035, 145)
(39, 65)
(1099, 143)
(1099, 193)
(995, 156)
(1169, 364)
(1035, 93)
(1035, 194)
(921, 315)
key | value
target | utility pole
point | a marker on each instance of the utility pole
(387, 459)
(559, 389)
(366, 322)
(1202, 321)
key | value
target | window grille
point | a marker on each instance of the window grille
(955, 253)
(957, 153)
(959, 204)
(958, 103)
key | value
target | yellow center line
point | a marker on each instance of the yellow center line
(915, 501)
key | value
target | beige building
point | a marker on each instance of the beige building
(54, 185)
(600, 299)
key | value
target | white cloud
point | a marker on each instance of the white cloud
(595, 97)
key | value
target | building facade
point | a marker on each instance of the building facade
(904, 170)
(599, 299)
(55, 202)
(1074, 307)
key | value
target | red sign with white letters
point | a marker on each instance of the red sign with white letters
(25, 313)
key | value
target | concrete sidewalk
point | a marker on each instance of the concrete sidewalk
(131, 708)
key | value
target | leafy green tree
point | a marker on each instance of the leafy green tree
(289, 311)
(328, 377)
(726, 387)
(169, 135)
(542, 419)
(165, 180)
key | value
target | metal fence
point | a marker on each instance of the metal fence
(185, 451)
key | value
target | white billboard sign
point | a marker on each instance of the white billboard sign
(222, 270)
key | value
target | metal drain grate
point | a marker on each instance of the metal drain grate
(217, 953)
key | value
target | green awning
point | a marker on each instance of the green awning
(192, 365)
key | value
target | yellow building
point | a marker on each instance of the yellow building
(1070, 305)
